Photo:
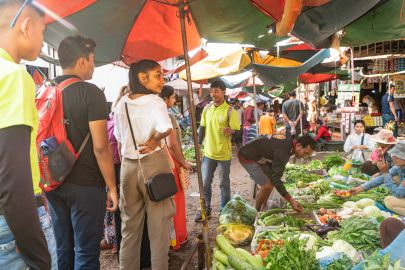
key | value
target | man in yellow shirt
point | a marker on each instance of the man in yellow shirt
(21, 37)
(218, 122)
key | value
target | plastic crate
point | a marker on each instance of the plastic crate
(268, 227)
(334, 146)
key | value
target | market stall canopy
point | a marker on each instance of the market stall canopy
(180, 84)
(316, 24)
(275, 75)
(218, 65)
(240, 80)
(385, 22)
(131, 30)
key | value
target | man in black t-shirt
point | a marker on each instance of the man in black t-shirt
(78, 205)
(265, 159)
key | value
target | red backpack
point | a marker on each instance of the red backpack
(56, 153)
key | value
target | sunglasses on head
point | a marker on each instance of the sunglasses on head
(20, 10)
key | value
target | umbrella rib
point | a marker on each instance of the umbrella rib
(175, 4)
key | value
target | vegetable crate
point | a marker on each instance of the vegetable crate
(317, 215)
(261, 231)
(320, 172)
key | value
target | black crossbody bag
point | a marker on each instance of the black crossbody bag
(159, 187)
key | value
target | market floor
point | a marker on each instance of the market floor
(240, 183)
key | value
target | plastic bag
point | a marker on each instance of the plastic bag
(237, 210)
(237, 234)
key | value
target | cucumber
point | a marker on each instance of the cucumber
(271, 212)
(337, 185)
(257, 263)
(238, 263)
(219, 266)
(274, 221)
(221, 257)
(224, 245)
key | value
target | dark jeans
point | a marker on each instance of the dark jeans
(77, 214)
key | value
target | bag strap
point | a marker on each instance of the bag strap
(68, 82)
(63, 85)
(133, 140)
(86, 139)
(362, 139)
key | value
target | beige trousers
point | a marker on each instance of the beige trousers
(395, 204)
(134, 202)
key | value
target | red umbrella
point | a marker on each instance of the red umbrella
(130, 30)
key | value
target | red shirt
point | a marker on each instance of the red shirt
(248, 116)
(323, 133)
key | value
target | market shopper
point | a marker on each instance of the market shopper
(174, 144)
(381, 160)
(394, 180)
(248, 119)
(293, 111)
(22, 241)
(265, 159)
(267, 123)
(112, 220)
(358, 144)
(150, 125)
(388, 106)
(78, 205)
(218, 122)
(323, 135)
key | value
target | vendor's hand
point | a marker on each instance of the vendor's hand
(363, 147)
(112, 197)
(187, 166)
(356, 190)
(355, 147)
(296, 206)
(149, 146)
(227, 131)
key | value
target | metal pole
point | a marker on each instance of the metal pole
(254, 95)
(183, 13)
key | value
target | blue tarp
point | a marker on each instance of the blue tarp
(273, 75)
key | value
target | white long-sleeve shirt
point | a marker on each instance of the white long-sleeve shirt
(355, 140)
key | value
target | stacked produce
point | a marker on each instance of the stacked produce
(337, 230)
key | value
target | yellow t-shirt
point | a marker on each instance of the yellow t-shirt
(217, 145)
(17, 105)
(267, 125)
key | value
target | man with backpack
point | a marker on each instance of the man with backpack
(78, 205)
(218, 122)
(22, 241)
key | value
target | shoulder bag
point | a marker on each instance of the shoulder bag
(160, 186)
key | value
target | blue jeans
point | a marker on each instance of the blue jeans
(8, 255)
(208, 169)
(386, 118)
(78, 216)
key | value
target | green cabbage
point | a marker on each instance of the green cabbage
(372, 211)
(363, 203)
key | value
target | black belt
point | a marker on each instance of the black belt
(38, 203)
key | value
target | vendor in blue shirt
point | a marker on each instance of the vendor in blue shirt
(394, 180)
(388, 106)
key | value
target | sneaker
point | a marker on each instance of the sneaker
(198, 217)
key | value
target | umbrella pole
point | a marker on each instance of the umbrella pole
(254, 95)
(183, 12)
